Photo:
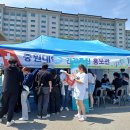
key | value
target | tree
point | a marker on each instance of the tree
(98, 37)
(2, 38)
(66, 37)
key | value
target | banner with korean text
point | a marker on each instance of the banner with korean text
(35, 60)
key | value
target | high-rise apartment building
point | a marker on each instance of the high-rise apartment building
(25, 24)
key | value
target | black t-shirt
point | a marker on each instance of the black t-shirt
(125, 82)
(12, 79)
(44, 77)
(117, 83)
(105, 80)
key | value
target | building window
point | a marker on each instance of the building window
(23, 25)
(23, 35)
(32, 30)
(17, 25)
(53, 27)
(12, 14)
(81, 20)
(43, 21)
(11, 29)
(17, 35)
(11, 34)
(18, 20)
(5, 29)
(11, 24)
(33, 14)
(43, 26)
(11, 19)
(120, 29)
(24, 15)
(17, 30)
(53, 17)
(43, 31)
(23, 30)
(5, 19)
(43, 16)
(24, 21)
(53, 22)
(6, 13)
(53, 32)
(32, 25)
(33, 21)
(18, 14)
(120, 24)
(32, 35)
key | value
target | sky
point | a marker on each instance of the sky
(105, 8)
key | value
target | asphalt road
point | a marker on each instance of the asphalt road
(112, 117)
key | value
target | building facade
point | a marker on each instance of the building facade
(24, 24)
(128, 39)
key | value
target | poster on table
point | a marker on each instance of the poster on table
(35, 60)
(74, 63)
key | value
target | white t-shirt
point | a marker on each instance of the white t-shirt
(80, 89)
(84, 78)
(91, 78)
(62, 76)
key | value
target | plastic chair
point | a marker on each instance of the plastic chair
(126, 96)
(101, 97)
(121, 96)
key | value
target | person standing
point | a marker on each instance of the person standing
(44, 80)
(91, 87)
(55, 94)
(65, 92)
(105, 79)
(80, 90)
(10, 90)
(27, 84)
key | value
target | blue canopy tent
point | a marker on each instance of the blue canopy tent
(57, 46)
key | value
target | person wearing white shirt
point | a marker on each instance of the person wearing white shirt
(80, 90)
(91, 87)
(65, 92)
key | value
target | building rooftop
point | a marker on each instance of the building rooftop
(60, 12)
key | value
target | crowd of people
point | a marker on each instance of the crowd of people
(51, 90)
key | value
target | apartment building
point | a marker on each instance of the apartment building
(24, 24)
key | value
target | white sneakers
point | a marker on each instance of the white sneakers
(66, 108)
(1, 120)
(115, 101)
(81, 117)
(77, 116)
(8, 124)
(61, 109)
(45, 117)
(23, 119)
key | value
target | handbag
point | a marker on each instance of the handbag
(39, 88)
(69, 81)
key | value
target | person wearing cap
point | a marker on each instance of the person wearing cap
(10, 90)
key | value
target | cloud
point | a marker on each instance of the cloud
(122, 4)
(66, 5)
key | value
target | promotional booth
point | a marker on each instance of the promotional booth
(60, 53)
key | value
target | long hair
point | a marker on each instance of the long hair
(89, 71)
(83, 67)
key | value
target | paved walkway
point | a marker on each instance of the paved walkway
(109, 118)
